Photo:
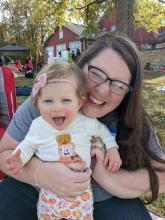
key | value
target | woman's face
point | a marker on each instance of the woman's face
(100, 100)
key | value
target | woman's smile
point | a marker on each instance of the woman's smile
(96, 100)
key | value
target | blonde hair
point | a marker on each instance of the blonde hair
(63, 70)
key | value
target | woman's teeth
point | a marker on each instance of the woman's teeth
(96, 101)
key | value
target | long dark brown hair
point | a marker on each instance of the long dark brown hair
(135, 127)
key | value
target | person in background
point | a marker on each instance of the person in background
(19, 65)
(69, 55)
(113, 79)
(4, 111)
(59, 54)
(73, 56)
(78, 54)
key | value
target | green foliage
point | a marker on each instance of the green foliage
(30, 22)
(148, 14)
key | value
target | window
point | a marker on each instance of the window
(49, 52)
(113, 28)
(61, 34)
(74, 45)
(60, 48)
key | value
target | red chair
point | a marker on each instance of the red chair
(10, 91)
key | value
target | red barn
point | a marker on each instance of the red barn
(143, 38)
(69, 36)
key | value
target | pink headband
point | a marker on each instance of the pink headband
(42, 81)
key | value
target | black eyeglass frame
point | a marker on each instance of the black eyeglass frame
(108, 78)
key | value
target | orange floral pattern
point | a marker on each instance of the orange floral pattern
(51, 207)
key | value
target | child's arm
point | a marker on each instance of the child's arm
(20, 156)
(14, 162)
(112, 157)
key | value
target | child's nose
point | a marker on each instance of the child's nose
(57, 107)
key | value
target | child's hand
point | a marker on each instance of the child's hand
(112, 159)
(14, 162)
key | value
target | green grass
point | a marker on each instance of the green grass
(154, 103)
(154, 100)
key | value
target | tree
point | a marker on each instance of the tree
(148, 14)
(124, 16)
(86, 12)
(29, 22)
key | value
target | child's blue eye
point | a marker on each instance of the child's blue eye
(48, 101)
(66, 100)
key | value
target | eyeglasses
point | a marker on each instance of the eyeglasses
(99, 77)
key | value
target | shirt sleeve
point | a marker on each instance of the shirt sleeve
(22, 120)
(29, 145)
(154, 143)
(102, 131)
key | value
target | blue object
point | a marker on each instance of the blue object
(23, 91)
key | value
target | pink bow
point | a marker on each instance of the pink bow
(41, 82)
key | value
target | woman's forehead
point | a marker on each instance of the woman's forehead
(109, 61)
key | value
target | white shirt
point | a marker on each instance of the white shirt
(41, 139)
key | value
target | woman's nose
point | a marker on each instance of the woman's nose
(104, 88)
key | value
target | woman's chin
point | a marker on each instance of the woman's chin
(92, 111)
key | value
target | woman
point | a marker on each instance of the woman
(113, 76)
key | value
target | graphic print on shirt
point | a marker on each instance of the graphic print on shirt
(67, 150)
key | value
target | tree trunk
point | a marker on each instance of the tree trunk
(124, 16)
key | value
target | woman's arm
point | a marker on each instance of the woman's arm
(54, 176)
(126, 184)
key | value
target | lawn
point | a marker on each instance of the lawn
(154, 103)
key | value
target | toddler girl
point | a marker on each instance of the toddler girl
(62, 133)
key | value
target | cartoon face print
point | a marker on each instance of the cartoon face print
(67, 149)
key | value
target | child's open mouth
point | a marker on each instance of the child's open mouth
(59, 121)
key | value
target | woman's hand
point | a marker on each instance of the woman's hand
(62, 180)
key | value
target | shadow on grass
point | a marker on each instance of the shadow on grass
(152, 75)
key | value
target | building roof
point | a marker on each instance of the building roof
(14, 49)
(76, 28)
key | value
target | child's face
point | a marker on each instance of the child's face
(58, 104)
